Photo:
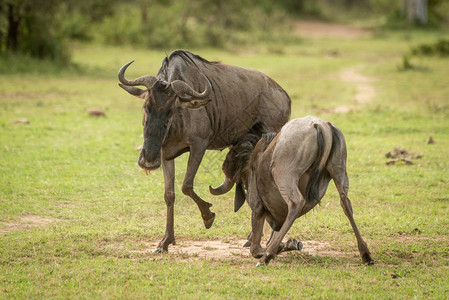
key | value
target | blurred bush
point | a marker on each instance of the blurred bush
(41, 28)
(185, 23)
(439, 48)
(398, 17)
(29, 27)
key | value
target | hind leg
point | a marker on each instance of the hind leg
(342, 183)
(288, 187)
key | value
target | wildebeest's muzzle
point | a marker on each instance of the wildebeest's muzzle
(155, 128)
(149, 162)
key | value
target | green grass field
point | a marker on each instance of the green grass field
(78, 218)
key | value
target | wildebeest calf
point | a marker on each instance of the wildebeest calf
(286, 175)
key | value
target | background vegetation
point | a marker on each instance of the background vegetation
(43, 28)
(78, 218)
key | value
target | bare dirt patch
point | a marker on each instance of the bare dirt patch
(24, 223)
(224, 250)
(317, 29)
(365, 90)
(412, 238)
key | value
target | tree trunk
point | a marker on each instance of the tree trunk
(12, 38)
(143, 11)
(415, 10)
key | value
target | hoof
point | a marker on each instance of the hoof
(246, 244)
(295, 244)
(158, 250)
(208, 223)
(367, 260)
(261, 264)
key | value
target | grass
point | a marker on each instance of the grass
(80, 173)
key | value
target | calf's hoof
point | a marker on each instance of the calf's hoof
(261, 264)
(208, 223)
(294, 244)
(159, 250)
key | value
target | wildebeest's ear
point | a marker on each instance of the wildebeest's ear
(133, 90)
(194, 103)
(239, 198)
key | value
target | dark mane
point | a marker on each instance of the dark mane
(252, 138)
(189, 57)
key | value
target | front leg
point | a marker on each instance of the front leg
(168, 168)
(257, 220)
(197, 151)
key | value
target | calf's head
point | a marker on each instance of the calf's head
(162, 98)
(236, 168)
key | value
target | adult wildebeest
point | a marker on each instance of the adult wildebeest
(179, 118)
(286, 175)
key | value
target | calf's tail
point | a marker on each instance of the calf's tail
(327, 141)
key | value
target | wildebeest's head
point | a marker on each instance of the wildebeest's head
(161, 100)
(236, 167)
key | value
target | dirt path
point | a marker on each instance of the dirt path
(365, 90)
(25, 222)
(317, 29)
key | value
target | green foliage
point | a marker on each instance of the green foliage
(76, 26)
(441, 48)
(437, 14)
(123, 28)
(181, 24)
(17, 63)
(29, 27)
(406, 64)
(41, 28)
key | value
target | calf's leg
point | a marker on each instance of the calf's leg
(342, 183)
(288, 187)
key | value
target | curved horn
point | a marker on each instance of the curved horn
(132, 90)
(147, 80)
(223, 188)
(181, 88)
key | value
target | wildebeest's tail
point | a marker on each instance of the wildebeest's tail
(327, 141)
